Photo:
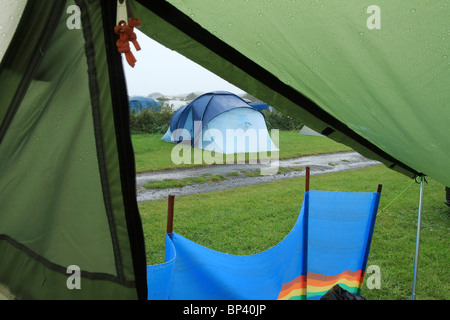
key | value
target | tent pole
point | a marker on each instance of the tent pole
(170, 214)
(419, 220)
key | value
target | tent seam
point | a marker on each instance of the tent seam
(99, 139)
(127, 170)
(59, 268)
(33, 64)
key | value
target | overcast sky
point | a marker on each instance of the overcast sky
(159, 69)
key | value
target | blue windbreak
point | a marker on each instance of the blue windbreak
(328, 245)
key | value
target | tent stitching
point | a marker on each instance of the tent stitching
(63, 269)
(125, 150)
(99, 141)
(34, 63)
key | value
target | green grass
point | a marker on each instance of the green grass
(152, 153)
(248, 220)
(250, 173)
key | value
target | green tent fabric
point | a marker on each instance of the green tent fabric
(67, 187)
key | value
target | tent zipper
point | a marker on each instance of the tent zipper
(120, 107)
(122, 13)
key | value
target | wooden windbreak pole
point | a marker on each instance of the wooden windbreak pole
(170, 214)
(307, 179)
(379, 188)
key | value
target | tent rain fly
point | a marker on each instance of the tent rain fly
(378, 87)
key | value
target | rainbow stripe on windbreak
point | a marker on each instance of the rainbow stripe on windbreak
(293, 290)
(318, 285)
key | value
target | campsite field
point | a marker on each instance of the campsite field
(247, 220)
(152, 153)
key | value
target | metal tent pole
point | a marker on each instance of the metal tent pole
(419, 220)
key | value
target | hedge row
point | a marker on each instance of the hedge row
(149, 121)
(278, 120)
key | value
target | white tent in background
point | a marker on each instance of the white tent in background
(309, 132)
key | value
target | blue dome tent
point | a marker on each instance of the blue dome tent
(140, 103)
(223, 122)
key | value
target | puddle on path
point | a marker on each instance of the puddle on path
(319, 164)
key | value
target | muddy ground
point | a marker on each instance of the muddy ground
(319, 164)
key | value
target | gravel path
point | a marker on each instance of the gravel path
(319, 164)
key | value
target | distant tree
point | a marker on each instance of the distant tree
(166, 107)
(191, 96)
(150, 121)
(278, 120)
(155, 95)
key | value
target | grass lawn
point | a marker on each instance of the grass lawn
(152, 153)
(248, 220)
